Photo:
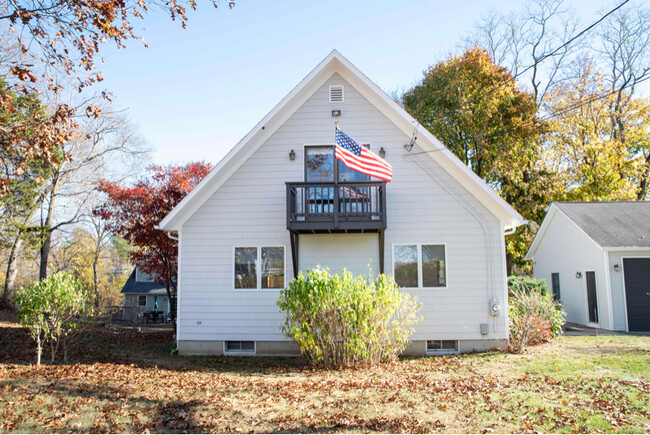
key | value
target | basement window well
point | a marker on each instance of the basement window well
(442, 347)
(240, 347)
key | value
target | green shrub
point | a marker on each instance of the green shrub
(535, 317)
(343, 320)
(51, 309)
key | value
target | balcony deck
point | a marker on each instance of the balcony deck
(336, 207)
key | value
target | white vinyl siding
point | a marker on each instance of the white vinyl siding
(423, 204)
(566, 249)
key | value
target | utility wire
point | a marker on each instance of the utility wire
(554, 52)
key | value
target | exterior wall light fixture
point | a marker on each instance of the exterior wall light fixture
(617, 268)
(382, 152)
(292, 155)
(578, 275)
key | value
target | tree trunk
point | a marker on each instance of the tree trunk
(39, 349)
(643, 184)
(46, 227)
(170, 300)
(45, 255)
(96, 277)
(12, 262)
(12, 271)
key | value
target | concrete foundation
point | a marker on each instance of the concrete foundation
(289, 348)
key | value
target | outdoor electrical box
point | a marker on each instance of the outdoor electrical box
(495, 307)
(485, 329)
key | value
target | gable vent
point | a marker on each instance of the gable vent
(336, 94)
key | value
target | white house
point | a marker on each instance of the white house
(279, 203)
(596, 258)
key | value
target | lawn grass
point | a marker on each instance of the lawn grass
(123, 382)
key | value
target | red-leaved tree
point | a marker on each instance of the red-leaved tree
(133, 212)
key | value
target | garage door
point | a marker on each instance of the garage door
(637, 293)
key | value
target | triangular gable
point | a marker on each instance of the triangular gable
(336, 63)
(551, 213)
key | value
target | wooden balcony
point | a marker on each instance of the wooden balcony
(336, 207)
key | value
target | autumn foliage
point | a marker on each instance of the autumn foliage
(345, 320)
(133, 212)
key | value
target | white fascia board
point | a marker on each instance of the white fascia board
(627, 248)
(248, 145)
(431, 145)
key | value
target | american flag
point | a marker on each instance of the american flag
(360, 158)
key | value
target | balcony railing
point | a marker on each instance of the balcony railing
(345, 206)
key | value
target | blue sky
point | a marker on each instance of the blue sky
(194, 93)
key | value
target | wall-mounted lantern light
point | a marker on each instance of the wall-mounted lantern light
(578, 275)
(617, 268)
(382, 152)
(292, 155)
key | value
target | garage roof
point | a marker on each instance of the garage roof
(612, 224)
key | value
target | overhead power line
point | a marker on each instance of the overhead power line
(570, 41)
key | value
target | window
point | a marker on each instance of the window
(142, 300)
(320, 163)
(245, 267)
(417, 266)
(442, 347)
(240, 346)
(271, 261)
(555, 279)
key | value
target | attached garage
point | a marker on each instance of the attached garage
(636, 272)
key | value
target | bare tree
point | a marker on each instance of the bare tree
(625, 53)
(106, 143)
(533, 45)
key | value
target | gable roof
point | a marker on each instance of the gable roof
(132, 286)
(336, 63)
(619, 224)
(612, 224)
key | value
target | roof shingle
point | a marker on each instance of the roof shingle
(133, 286)
(612, 224)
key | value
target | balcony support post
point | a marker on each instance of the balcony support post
(381, 251)
(293, 236)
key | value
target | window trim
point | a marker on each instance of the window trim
(145, 301)
(259, 271)
(420, 281)
(239, 352)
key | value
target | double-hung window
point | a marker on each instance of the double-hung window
(420, 265)
(142, 300)
(259, 267)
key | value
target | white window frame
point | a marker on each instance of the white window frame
(145, 301)
(239, 352)
(259, 271)
(419, 248)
